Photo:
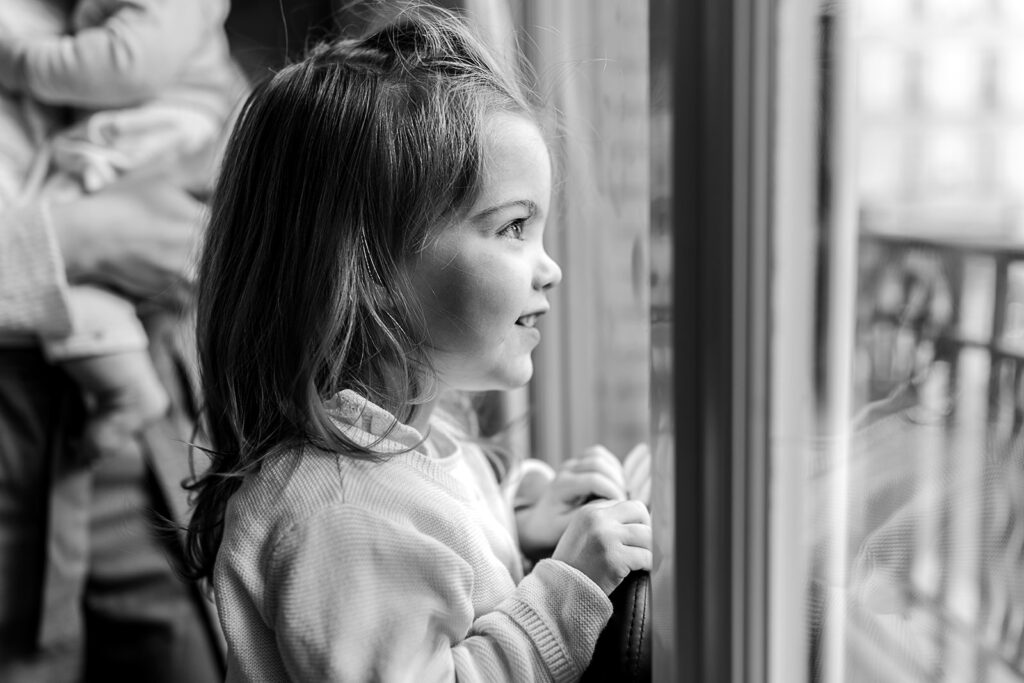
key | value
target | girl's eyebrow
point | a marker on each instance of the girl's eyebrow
(531, 208)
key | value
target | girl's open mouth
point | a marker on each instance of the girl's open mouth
(528, 320)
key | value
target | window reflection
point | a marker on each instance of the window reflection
(928, 528)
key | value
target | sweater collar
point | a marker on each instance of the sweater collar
(371, 426)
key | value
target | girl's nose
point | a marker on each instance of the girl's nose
(547, 274)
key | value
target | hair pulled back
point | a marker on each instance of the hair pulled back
(338, 171)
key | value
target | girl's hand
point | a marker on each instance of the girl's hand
(636, 468)
(542, 521)
(607, 540)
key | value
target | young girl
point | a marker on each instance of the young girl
(375, 240)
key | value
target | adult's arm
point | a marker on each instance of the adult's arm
(133, 55)
(136, 236)
(388, 603)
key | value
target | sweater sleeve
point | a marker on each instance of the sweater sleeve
(353, 597)
(140, 49)
(33, 288)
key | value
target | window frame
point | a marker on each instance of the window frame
(712, 570)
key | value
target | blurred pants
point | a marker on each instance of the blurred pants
(87, 591)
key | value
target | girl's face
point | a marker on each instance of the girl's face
(482, 282)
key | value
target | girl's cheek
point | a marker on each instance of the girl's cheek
(472, 295)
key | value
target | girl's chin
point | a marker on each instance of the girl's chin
(516, 377)
(510, 378)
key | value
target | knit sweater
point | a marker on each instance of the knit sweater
(339, 568)
(33, 289)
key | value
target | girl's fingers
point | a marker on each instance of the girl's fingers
(637, 454)
(637, 536)
(601, 503)
(575, 486)
(599, 459)
(641, 492)
(631, 512)
(636, 466)
(638, 559)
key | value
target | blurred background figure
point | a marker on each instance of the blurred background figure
(152, 86)
(112, 115)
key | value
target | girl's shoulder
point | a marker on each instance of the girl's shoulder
(290, 485)
(299, 486)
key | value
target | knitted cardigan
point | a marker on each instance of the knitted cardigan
(339, 568)
(33, 289)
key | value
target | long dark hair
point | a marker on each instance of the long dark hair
(338, 170)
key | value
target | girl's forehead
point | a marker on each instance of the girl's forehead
(515, 168)
(501, 128)
(515, 177)
(515, 157)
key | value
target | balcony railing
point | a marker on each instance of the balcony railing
(937, 468)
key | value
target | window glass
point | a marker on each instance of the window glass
(897, 443)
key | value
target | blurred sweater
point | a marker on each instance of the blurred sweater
(120, 53)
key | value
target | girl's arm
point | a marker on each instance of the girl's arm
(353, 597)
(135, 53)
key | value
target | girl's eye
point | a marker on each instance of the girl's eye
(513, 229)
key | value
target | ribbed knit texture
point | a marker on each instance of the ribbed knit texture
(32, 283)
(335, 568)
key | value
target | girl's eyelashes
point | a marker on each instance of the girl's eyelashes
(514, 229)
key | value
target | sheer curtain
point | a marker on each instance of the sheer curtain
(592, 372)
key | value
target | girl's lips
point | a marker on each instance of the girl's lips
(528, 320)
